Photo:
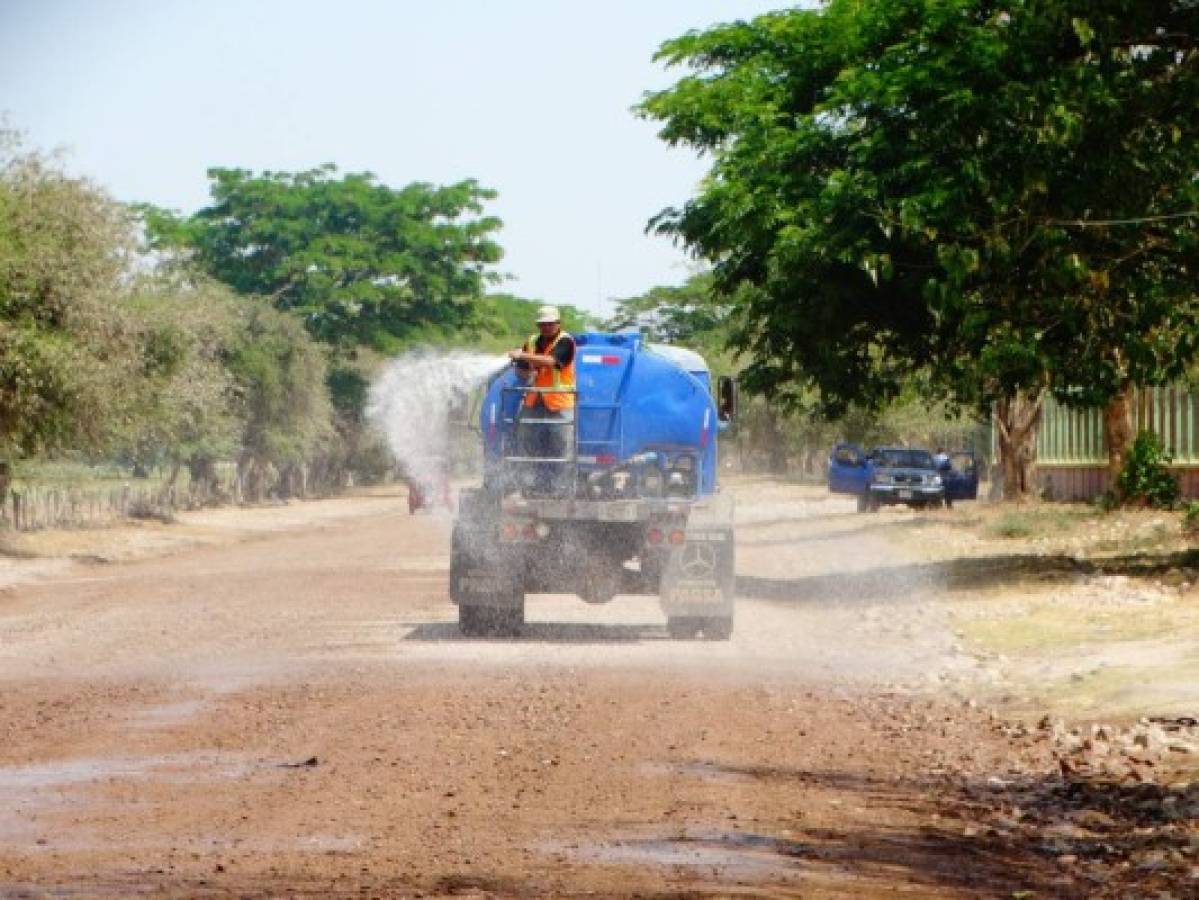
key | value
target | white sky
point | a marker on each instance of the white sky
(530, 97)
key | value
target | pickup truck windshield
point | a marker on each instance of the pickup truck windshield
(903, 459)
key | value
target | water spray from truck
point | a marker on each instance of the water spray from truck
(412, 401)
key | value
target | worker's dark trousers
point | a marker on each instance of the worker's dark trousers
(547, 434)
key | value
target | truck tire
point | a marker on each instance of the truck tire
(459, 558)
(682, 629)
(717, 629)
(476, 620)
(473, 621)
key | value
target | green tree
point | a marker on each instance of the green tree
(996, 197)
(183, 402)
(282, 399)
(359, 262)
(66, 352)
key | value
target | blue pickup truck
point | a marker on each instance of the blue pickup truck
(902, 475)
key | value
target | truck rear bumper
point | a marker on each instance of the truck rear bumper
(597, 510)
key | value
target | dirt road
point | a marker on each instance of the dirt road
(295, 713)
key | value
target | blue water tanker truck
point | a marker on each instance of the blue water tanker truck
(629, 506)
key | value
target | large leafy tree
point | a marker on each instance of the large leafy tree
(998, 197)
(66, 351)
(182, 403)
(360, 262)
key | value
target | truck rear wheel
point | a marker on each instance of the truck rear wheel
(717, 629)
(682, 629)
(476, 620)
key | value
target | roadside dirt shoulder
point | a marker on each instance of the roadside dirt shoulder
(1065, 609)
(31, 555)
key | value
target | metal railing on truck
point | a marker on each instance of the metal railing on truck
(514, 423)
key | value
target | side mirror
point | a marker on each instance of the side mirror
(726, 398)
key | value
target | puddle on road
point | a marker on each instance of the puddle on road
(31, 796)
(27, 791)
(176, 767)
(732, 854)
(167, 714)
(705, 771)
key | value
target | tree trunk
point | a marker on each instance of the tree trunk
(1016, 421)
(776, 448)
(251, 477)
(5, 481)
(1118, 433)
(166, 495)
(205, 480)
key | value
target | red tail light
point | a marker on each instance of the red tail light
(654, 536)
(677, 537)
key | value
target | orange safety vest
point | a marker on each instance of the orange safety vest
(562, 380)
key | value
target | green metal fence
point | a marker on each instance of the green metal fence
(1074, 437)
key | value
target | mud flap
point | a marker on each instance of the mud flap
(698, 578)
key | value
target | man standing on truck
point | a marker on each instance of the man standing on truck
(547, 412)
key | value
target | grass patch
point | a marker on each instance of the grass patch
(1011, 525)
(1037, 521)
(1056, 628)
(61, 475)
(1046, 626)
(1131, 691)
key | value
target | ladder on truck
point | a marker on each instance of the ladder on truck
(598, 451)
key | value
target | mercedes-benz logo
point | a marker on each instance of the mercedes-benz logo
(698, 561)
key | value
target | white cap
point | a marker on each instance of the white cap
(548, 314)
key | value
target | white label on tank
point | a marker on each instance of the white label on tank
(591, 358)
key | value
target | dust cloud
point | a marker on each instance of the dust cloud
(411, 402)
